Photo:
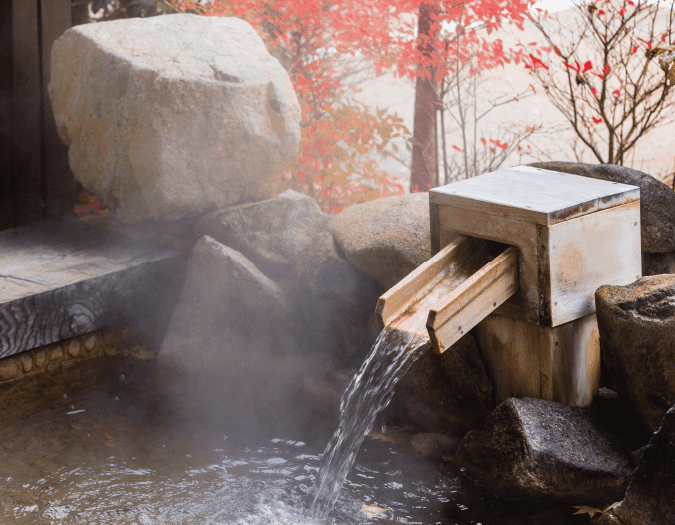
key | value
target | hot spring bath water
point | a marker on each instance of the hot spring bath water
(95, 446)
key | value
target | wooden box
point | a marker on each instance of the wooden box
(573, 235)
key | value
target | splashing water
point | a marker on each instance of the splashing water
(369, 391)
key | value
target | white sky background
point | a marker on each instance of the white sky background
(554, 5)
(558, 5)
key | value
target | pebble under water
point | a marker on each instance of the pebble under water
(92, 446)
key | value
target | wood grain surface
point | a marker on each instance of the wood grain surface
(584, 253)
(562, 264)
(524, 304)
(526, 360)
(60, 278)
(473, 300)
(406, 305)
(541, 197)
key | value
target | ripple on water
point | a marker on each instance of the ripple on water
(114, 463)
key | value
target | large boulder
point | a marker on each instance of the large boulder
(446, 392)
(657, 201)
(386, 238)
(650, 498)
(171, 116)
(545, 451)
(637, 336)
(230, 346)
(269, 233)
(225, 300)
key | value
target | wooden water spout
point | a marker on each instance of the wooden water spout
(451, 293)
(532, 304)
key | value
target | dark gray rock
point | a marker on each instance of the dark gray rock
(545, 451)
(434, 446)
(650, 498)
(657, 200)
(386, 238)
(268, 233)
(231, 338)
(450, 391)
(335, 300)
(620, 418)
(637, 337)
(463, 368)
(658, 263)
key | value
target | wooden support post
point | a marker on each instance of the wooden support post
(27, 113)
(527, 360)
(60, 183)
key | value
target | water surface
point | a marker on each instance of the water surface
(97, 445)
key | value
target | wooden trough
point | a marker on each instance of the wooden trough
(519, 255)
(452, 292)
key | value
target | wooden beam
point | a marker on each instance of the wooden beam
(406, 305)
(61, 278)
(27, 161)
(6, 215)
(473, 300)
(60, 190)
(525, 302)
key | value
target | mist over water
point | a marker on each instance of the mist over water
(369, 392)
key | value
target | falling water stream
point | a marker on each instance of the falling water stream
(97, 445)
(368, 393)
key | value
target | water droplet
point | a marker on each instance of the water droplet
(65, 396)
(117, 398)
(122, 378)
(72, 407)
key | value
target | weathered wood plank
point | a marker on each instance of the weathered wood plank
(473, 300)
(587, 252)
(572, 351)
(60, 278)
(406, 305)
(60, 190)
(525, 360)
(27, 161)
(394, 300)
(537, 196)
(525, 302)
(6, 205)
(434, 229)
(510, 350)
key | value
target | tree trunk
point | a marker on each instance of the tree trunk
(424, 170)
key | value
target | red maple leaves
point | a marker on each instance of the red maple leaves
(339, 135)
